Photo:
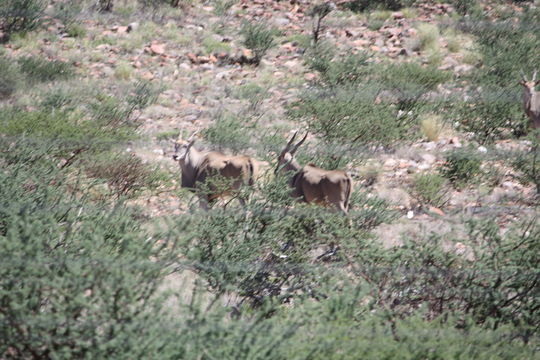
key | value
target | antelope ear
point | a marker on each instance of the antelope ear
(537, 82)
(522, 83)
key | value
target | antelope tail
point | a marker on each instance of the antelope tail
(252, 172)
(349, 190)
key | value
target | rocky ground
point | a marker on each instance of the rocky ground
(191, 53)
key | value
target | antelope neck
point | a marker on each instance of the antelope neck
(190, 166)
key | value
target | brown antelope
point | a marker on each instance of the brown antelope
(531, 100)
(199, 167)
(313, 184)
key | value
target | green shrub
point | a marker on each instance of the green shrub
(20, 15)
(222, 6)
(351, 69)
(8, 77)
(527, 163)
(462, 166)
(362, 5)
(430, 188)
(268, 253)
(67, 12)
(75, 30)
(38, 69)
(465, 7)
(125, 174)
(410, 82)
(79, 279)
(229, 131)
(105, 5)
(489, 114)
(348, 115)
(259, 38)
(507, 47)
(254, 94)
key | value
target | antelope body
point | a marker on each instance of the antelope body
(531, 100)
(313, 184)
(199, 167)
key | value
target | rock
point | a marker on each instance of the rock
(437, 211)
(428, 158)
(184, 66)
(462, 69)
(310, 76)
(404, 52)
(410, 214)
(482, 149)
(282, 21)
(455, 141)
(397, 15)
(395, 196)
(157, 48)
(431, 145)
(132, 26)
(390, 163)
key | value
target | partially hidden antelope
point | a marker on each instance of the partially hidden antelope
(313, 184)
(202, 172)
(531, 100)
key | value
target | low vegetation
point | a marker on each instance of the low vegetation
(97, 263)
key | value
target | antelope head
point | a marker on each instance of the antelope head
(286, 157)
(529, 85)
(182, 147)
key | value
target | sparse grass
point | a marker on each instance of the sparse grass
(259, 38)
(409, 12)
(8, 77)
(381, 15)
(462, 167)
(369, 173)
(229, 132)
(27, 42)
(75, 30)
(428, 35)
(472, 57)
(167, 135)
(221, 7)
(123, 70)
(430, 189)
(253, 93)
(431, 126)
(212, 45)
(434, 56)
(303, 40)
(37, 69)
(375, 24)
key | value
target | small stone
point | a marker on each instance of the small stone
(482, 149)
(310, 76)
(157, 48)
(390, 163)
(436, 210)
(455, 141)
(428, 158)
(132, 26)
(410, 214)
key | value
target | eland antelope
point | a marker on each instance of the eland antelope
(531, 100)
(198, 168)
(313, 184)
